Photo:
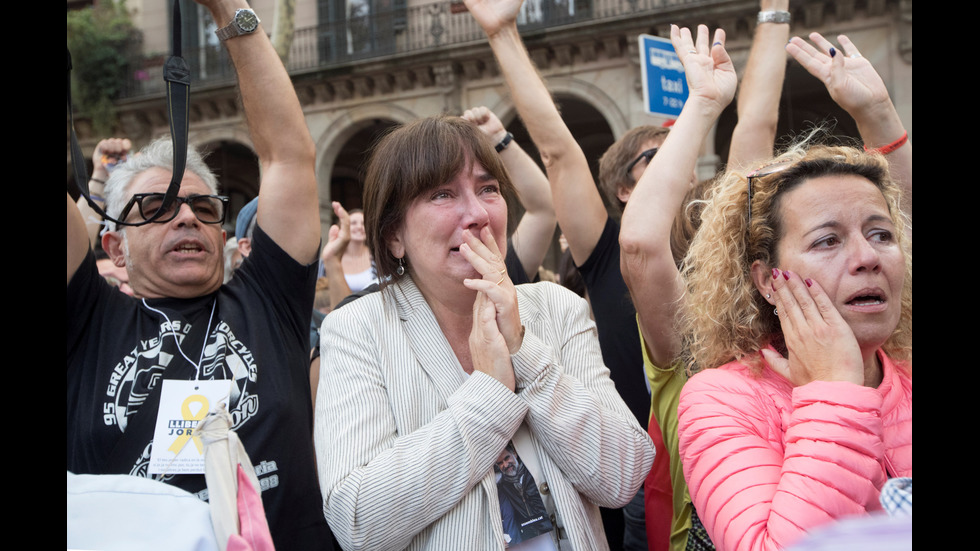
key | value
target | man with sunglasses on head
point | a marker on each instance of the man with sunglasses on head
(184, 324)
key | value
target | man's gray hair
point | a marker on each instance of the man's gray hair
(158, 153)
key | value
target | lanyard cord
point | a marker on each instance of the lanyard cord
(177, 75)
(207, 331)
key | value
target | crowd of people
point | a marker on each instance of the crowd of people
(739, 377)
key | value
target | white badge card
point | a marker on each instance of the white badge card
(184, 404)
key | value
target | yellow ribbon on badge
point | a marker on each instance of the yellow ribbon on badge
(185, 410)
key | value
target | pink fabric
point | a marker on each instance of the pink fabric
(766, 462)
(255, 535)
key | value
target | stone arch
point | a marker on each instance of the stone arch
(583, 94)
(595, 97)
(230, 154)
(358, 123)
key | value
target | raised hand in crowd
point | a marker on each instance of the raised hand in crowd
(532, 238)
(858, 88)
(337, 240)
(647, 262)
(107, 155)
(577, 202)
(761, 87)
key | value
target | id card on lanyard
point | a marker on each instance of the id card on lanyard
(183, 405)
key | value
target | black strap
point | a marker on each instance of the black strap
(177, 75)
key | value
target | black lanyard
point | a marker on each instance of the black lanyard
(177, 75)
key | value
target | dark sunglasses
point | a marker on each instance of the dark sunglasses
(209, 209)
(648, 154)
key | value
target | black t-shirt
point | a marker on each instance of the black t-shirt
(119, 350)
(615, 319)
(515, 270)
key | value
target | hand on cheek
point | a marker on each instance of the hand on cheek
(820, 344)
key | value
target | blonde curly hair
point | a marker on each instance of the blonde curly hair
(725, 317)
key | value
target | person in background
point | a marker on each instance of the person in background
(655, 241)
(358, 266)
(653, 229)
(233, 258)
(531, 239)
(108, 154)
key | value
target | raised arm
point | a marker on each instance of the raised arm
(108, 152)
(333, 252)
(647, 262)
(762, 85)
(581, 213)
(532, 238)
(855, 85)
(288, 208)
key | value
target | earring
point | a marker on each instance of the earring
(768, 295)
(400, 270)
(776, 311)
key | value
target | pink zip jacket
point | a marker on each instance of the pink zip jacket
(766, 462)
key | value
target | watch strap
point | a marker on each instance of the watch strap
(774, 16)
(233, 29)
(504, 142)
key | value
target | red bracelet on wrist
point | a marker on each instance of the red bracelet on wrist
(886, 149)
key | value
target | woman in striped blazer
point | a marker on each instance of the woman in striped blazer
(424, 384)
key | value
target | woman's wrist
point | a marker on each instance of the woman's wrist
(881, 127)
(506, 32)
(888, 148)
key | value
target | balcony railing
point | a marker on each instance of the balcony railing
(414, 29)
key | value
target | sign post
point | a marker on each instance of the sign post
(664, 84)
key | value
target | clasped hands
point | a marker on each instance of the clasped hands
(497, 332)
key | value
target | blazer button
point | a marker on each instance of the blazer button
(543, 488)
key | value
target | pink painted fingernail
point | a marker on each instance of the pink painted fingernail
(809, 282)
(775, 273)
(786, 275)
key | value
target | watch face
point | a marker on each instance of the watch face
(246, 20)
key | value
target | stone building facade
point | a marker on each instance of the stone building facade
(360, 66)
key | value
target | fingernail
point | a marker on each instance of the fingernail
(786, 275)
(717, 43)
(775, 273)
(833, 52)
(809, 282)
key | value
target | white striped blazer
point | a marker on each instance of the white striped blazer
(406, 444)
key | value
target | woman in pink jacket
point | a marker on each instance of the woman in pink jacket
(799, 286)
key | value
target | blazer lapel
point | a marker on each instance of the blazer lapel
(432, 351)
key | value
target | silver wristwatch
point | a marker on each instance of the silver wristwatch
(774, 16)
(244, 22)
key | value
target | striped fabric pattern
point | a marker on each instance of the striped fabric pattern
(406, 446)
